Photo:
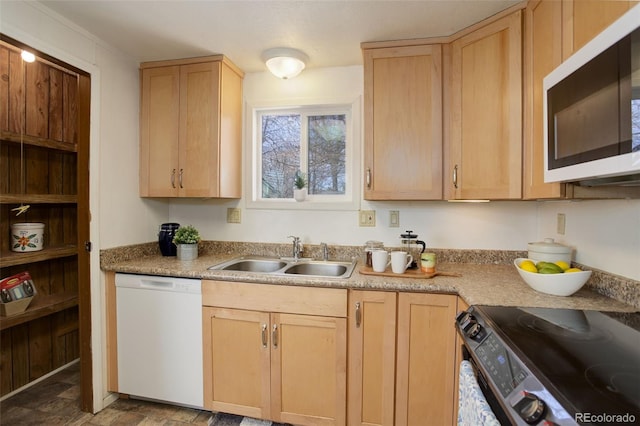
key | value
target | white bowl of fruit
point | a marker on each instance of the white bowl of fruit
(556, 278)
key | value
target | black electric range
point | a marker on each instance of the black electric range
(555, 366)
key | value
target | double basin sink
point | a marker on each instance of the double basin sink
(288, 266)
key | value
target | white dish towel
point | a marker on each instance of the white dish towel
(473, 409)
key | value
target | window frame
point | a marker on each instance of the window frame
(350, 200)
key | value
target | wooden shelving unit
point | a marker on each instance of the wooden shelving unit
(44, 153)
(50, 253)
(41, 306)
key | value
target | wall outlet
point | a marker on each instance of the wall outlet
(367, 218)
(234, 215)
(394, 218)
(562, 221)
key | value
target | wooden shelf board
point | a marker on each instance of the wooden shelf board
(41, 306)
(38, 199)
(36, 141)
(14, 258)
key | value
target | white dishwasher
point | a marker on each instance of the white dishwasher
(159, 325)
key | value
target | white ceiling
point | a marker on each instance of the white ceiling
(329, 32)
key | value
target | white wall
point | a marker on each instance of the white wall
(605, 234)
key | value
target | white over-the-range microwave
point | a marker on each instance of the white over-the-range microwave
(592, 110)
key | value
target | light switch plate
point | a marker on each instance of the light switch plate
(394, 218)
(367, 218)
(562, 221)
(234, 215)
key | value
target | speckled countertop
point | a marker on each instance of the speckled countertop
(487, 277)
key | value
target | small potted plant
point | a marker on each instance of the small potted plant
(186, 240)
(300, 183)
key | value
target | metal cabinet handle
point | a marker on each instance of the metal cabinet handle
(368, 178)
(455, 176)
(274, 336)
(264, 335)
(173, 178)
(180, 178)
(358, 315)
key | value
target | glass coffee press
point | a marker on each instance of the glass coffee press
(409, 240)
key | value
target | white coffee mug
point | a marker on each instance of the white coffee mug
(400, 261)
(379, 260)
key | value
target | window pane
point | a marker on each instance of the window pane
(280, 154)
(327, 144)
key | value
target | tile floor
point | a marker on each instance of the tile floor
(55, 401)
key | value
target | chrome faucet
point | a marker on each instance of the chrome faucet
(325, 251)
(297, 247)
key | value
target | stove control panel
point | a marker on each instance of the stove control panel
(519, 392)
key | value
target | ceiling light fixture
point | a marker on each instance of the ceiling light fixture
(28, 56)
(284, 62)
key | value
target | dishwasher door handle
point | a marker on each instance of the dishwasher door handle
(157, 285)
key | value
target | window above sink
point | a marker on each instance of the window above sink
(287, 137)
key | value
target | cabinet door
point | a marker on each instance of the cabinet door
(542, 54)
(486, 113)
(308, 369)
(426, 356)
(372, 357)
(199, 130)
(585, 19)
(403, 123)
(236, 361)
(159, 116)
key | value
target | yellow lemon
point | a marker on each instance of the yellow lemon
(529, 266)
(564, 265)
(573, 270)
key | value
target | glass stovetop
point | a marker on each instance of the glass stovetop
(589, 360)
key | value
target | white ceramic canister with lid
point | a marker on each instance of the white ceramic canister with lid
(549, 251)
(27, 236)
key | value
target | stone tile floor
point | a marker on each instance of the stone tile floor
(56, 401)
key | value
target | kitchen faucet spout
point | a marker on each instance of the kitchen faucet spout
(297, 247)
(325, 251)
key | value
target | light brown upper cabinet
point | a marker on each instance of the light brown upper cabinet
(485, 145)
(191, 128)
(554, 31)
(542, 54)
(403, 122)
(585, 19)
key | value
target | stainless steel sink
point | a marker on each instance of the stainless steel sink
(274, 266)
(321, 269)
(251, 265)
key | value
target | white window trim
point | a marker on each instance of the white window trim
(253, 172)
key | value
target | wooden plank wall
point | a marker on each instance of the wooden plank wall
(42, 98)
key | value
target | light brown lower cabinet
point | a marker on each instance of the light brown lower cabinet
(401, 358)
(275, 352)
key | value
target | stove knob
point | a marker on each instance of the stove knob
(471, 328)
(462, 315)
(530, 408)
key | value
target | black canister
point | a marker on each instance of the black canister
(165, 238)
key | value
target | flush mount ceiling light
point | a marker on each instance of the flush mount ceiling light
(284, 62)
(28, 56)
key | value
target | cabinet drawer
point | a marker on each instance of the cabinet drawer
(275, 298)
